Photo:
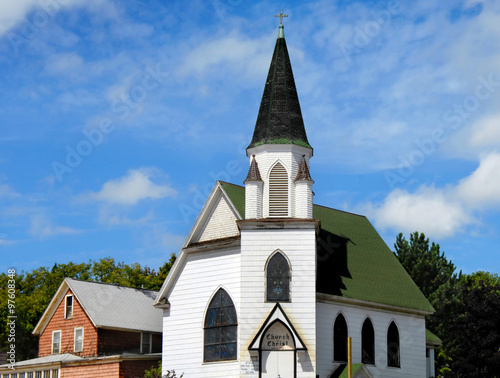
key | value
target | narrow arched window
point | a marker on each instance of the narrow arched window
(393, 346)
(278, 278)
(340, 339)
(368, 343)
(221, 329)
(278, 191)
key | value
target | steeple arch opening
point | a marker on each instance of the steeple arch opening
(279, 182)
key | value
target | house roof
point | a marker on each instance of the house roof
(109, 306)
(431, 338)
(352, 259)
(53, 358)
(279, 120)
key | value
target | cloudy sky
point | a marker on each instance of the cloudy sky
(117, 117)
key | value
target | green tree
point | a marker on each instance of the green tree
(475, 345)
(424, 262)
(35, 289)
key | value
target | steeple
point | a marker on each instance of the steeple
(280, 120)
(278, 184)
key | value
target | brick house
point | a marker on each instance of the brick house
(91, 329)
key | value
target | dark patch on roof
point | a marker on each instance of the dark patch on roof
(280, 119)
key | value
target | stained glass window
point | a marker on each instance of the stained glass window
(393, 346)
(340, 339)
(221, 328)
(278, 279)
(368, 343)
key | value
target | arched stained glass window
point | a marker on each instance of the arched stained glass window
(368, 343)
(278, 278)
(393, 346)
(221, 329)
(340, 339)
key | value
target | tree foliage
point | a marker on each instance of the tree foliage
(467, 309)
(35, 289)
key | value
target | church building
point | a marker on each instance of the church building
(269, 285)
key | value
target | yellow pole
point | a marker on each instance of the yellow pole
(349, 358)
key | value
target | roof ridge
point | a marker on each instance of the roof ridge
(109, 284)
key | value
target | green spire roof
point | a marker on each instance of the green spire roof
(280, 119)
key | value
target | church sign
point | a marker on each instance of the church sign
(278, 337)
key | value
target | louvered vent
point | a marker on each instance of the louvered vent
(278, 192)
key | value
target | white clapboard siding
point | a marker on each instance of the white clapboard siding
(201, 277)
(221, 222)
(299, 247)
(411, 332)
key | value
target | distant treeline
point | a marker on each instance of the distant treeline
(35, 289)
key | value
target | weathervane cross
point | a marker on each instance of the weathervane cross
(281, 15)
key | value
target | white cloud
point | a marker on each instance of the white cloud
(486, 132)
(41, 227)
(135, 186)
(481, 190)
(428, 210)
(14, 11)
(441, 212)
(64, 63)
(230, 52)
(7, 192)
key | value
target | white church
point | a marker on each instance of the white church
(269, 285)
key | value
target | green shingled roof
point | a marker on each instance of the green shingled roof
(431, 338)
(353, 260)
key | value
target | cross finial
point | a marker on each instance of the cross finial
(281, 15)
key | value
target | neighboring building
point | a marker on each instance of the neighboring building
(269, 285)
(91, 329)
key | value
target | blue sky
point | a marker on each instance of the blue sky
(117, 117)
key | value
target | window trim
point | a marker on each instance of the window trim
(52, 343)
(66, 306)
(235, 324)
(340, 313)
(399, 345)
(150, 342)
(266, 268)
(74, 339)
(363, 341)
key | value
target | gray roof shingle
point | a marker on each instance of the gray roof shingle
(112, 306)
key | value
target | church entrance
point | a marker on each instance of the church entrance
(277, 352)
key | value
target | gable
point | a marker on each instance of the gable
(221, 222)
(217, 219)
(353, 261)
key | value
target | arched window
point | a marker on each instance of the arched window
(368, 343)
(278, 278)
(278, 191)
(393, 346)
(340, 339)
(221, 329)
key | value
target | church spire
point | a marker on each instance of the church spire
(280, 120)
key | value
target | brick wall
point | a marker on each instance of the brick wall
(135, 369)
(67, 327)
(92, 371)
